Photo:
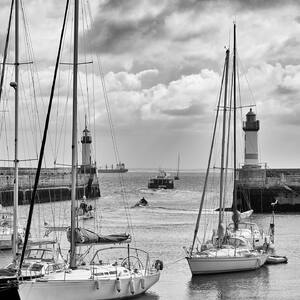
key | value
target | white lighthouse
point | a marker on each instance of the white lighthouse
(251, 127)
(86, 141)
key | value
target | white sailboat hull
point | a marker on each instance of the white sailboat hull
(89, 289)
(215, 265)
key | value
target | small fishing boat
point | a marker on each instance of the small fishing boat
(161, 181)
(141, 203)
(84, 211)
(276, 259)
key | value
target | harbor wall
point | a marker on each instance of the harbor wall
(257, 188)
(54, 185)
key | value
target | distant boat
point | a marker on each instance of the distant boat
(161, 181)
(120, 168)
(84, 211)
(176, 177)
(141, 203)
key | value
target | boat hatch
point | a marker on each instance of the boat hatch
(36, 267)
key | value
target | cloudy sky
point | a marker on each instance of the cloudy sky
(163, 63)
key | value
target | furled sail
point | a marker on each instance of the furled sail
(85, 236)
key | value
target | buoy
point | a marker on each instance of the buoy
(143, 283)
(118, 285)
(131, 286)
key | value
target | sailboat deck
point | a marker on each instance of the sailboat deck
(104, 272)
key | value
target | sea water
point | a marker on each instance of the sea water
(166, 225)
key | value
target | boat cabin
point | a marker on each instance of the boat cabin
(161, 181)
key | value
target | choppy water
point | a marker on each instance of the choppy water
(167, 225)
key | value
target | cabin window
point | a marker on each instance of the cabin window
(47, 256)
(112, 272)
(35, 254)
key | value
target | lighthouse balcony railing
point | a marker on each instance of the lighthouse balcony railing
(251, 126)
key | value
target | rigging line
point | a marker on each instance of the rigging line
(28, 107)
(239, 89)
(246, 78)
(240, 100)
(105, 97)
(42, 147)
(209, 161)
(63, 129)
(29, 89)
(5, 49)
(125, 200)
(31, 57)
(88, 26)
(221, 205)
(113, 139)
(57, 134)
(228, 138)
(94, 117)
(84, 30)
(22, 116)
(86, 66)
(6, 136)
(70, 77)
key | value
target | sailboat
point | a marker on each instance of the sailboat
(176, 177)
(121, 278)
(224, 252)
(40, 259)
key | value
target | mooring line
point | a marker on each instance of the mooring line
(174, 262)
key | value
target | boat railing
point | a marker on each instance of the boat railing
(97, 259)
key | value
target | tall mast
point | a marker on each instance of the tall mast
(208, 165)
(235, 216)
(223, 143)
(74, 138)
(15, 85)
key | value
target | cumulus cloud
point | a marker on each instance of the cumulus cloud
(162, 60)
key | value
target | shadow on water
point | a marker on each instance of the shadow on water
(230, 285)
(147, 296)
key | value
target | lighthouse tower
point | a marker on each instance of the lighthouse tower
(86, 141)
(251, 127)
